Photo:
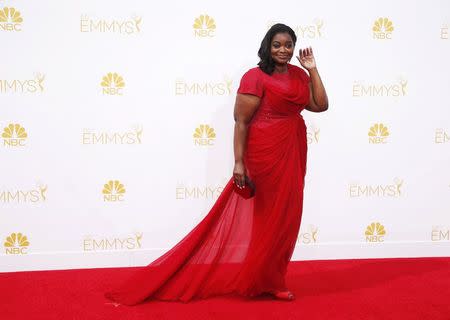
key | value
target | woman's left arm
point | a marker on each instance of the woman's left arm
(318, 100)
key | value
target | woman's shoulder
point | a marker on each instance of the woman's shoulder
(254, 72)
(252, 82)
(296, 69)
(299, 72)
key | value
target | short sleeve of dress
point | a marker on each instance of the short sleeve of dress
(304, 76)
(252, 83)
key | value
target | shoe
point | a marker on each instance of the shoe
(283, 295)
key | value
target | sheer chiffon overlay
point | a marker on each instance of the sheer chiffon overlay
(242, 246)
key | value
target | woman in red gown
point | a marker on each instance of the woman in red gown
(243, 246)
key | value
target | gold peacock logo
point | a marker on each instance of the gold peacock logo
(375, 232)
(204, 26)
(10, 19)
(14, 135)
(378, 133)
(112, 84)
(113, 191)
(16, 243)
(382, 28)
(204, 135)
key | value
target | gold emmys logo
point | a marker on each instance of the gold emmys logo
(24, 196)
(112, 84)
(440, 233)
(14, 135)
(378, 133)
(16, 243)
(309, 236)
(204, 135)
(133, 136)
(375, 232)
(113, 191)
(115, 243)
(204, 26)
(306, 31)
(312, 136)
(382, 28)
(183, 192)
(388, 190)
(10, 19)
(125, 26)
(396, 89)
(444, 32)
(183, 88)
(23, 86)
(441, 136)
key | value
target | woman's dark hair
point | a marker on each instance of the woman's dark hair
(266, 63)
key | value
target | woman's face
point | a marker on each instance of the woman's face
(282, 48)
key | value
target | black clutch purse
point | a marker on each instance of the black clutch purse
(247, 191)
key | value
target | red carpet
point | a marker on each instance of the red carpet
(379, 289)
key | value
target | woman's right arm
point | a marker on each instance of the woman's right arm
(244, 109)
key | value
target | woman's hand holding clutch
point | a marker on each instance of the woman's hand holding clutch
(242, 184)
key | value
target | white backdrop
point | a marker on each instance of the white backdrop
(66, 130)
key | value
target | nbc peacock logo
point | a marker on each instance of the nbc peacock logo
(112, 84)
(204, 26)
(16, 243)
(375, 232)
(113, 191)
(14, 135)
(10, 19)
(382, 29)
(378, 133)
(204, 135)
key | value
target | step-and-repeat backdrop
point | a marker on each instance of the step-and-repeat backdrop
(116, 123)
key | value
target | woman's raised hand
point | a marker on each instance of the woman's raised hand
(306, 58)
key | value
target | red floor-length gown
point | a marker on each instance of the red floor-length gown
(242, 246)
